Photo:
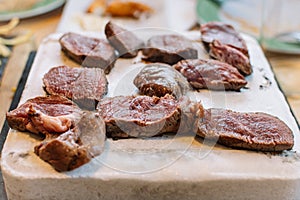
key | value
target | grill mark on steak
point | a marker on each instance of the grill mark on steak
(85, 86)
(211, 74)
(88, 51)
(76, 146)
(144, 116)
(230, 55)
(169, 49)
(225, 34)
(160, 79)
(253, 131)
(58, 113)
(125, 42)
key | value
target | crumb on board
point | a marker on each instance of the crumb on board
(14, 89)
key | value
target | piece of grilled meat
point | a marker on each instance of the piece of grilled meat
(230, 55)
(125, 42)
(85, 86)
(144, 116)
(158, 79)
(225, 34)
(211, 74)
(88, 51)
(169, 49)
(253, 130)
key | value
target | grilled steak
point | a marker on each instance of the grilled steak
(125, 42)
(160, 79)
(75, 147)
(225, 34)
(85, 86)
(144, 116)
(87, 51)
(254, 131)
(169, 49)
(211, 74)
(230, 55)
(47, 115)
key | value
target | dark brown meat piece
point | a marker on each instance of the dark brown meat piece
(211, 74)
(124, 41)
(63, 153)
(160, 79)
(47, 115)
(75, 147)
(141, 116)
(72, 137)
(88, 51)
(225, 34)
(144, 116)
(169, 49)
(85, 86)
(254, 131)
(230, 55)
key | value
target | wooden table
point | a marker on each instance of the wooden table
(286, 67)
(287, 71)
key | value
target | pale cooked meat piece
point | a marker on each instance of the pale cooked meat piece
(225, 34)
(230, 55)
(85, 86)
(88, 51)
(125, 42)
(211, 74)
(144, 116)
(169, 49)
(76, 146)
(253, 131)
(159, 79)
(47, 115)
(141, 116)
